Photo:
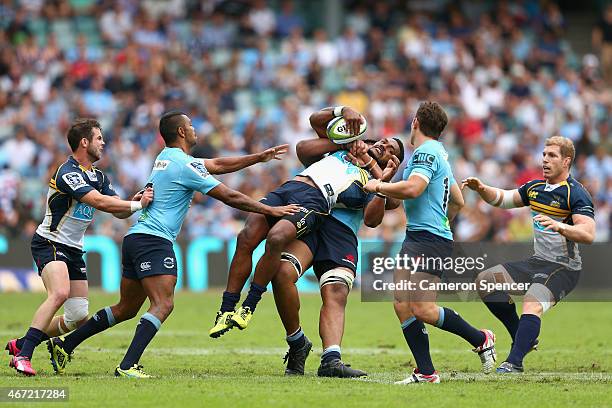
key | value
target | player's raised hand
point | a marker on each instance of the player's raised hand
(547, 222)
(473, 183)
(284, 210)
(273, 153)
(147, 197)
(353, 120)
(391, 168)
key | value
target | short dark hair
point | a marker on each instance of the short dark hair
(168, 125)
(400, 155)
(432, 119)
(81, 128)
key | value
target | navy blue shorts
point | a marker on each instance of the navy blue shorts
(431, 247)
(333, 245)
(45, 251)
(314, 206)
(145, 255)
(559, 279)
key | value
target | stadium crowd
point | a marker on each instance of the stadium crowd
(250, 75)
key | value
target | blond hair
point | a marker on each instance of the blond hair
(565, 145)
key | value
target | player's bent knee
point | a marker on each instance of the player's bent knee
(337, 275)
(485, 276)
(538, 300)
(335, 295)
(59, 297)
(76, 310)
(276, 241)
(247, 240)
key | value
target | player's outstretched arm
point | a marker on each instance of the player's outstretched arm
(114, 205)
(492, 195)
(456, 202)
(128, 214)
(223, 165)
(406, 189)
(242, 202)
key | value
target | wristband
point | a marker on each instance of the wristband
(135, 206)
(338, 111)
(365, 166)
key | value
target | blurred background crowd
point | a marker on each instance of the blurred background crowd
(249, 73)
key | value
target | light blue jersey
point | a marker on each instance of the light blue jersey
(428, 211)
(175, 177)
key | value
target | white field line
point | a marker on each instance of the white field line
(270, 351)
(222, 349)
(386, 378)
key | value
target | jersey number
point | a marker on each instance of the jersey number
(446, 194)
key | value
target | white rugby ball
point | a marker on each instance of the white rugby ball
(338, 132)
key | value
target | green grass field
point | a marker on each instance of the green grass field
(572, 367)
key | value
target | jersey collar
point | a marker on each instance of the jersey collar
(551, 187)
(74, 161)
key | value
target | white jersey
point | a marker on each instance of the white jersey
(335, 175)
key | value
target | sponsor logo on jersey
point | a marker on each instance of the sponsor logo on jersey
(423, 159)
(555, 203)
(74, 180)
(169, 262)
(83, 212)
(350, 259)
(198, 168)
(145, 266)
(161, 165)
(84, 271)
(540, 275)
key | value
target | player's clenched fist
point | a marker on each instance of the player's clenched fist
(147, 197)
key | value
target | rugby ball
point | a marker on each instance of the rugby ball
(338, 132)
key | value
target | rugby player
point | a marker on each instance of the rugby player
(563, 216)
(431, 199)
(317, 190)
(332, 251)
(76, 189)
(149, 262)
